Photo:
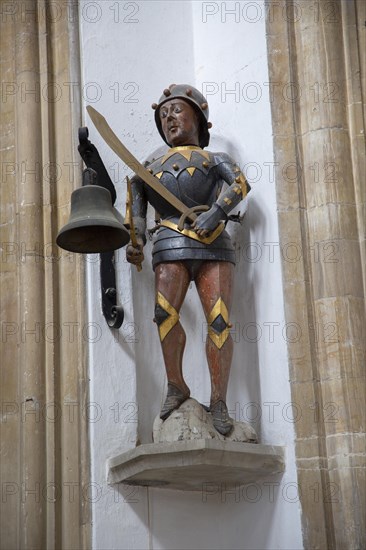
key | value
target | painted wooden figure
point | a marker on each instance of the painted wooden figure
(182, 251)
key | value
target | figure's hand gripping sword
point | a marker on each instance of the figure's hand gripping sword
(117, 146)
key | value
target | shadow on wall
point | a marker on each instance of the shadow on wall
(244, 385)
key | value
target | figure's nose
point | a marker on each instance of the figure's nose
(171, 115)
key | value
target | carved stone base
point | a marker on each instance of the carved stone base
(196, 465)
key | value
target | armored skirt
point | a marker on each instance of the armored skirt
(171, 246)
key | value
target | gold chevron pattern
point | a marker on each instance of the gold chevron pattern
(186, 152)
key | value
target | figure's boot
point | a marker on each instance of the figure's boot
(220, 417)
(175, 397)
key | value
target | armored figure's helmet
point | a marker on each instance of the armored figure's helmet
(196, 99)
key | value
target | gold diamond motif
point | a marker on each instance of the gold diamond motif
(218, 309)
(191, 170)
(166, 326)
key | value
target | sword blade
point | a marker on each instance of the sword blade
(123, 153)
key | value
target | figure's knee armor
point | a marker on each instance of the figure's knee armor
(218, 323)
(166, 316)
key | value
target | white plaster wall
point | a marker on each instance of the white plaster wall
(130, 52)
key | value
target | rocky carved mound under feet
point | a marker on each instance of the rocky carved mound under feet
(192, 421)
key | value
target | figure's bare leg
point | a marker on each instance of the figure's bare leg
(171, 283)
(214, 285)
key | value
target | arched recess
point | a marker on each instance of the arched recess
(317, 73)
(44, 437)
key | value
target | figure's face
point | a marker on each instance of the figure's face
(179, 123)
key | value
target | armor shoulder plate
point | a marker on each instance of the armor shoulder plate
(220, 158)
(178, 159)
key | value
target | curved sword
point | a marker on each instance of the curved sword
(117, 146)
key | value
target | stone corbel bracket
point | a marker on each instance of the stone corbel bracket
(192, 465)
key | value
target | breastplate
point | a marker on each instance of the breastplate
(187, 172)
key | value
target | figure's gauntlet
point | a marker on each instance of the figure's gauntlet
(234, 194)
(135, 254)
(209, 220)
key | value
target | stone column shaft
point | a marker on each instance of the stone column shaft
(31, 279)
(320, 207)
(44, 437)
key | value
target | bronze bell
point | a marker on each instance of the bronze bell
(94, 224)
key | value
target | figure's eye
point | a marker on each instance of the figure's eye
(177, 109)
(163, 114)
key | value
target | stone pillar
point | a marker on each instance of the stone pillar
(44, 464)
(316, 73)
(31, 285)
